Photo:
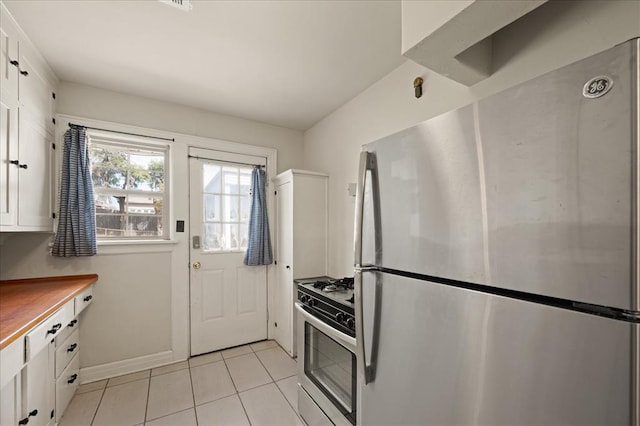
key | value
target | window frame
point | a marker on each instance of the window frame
(114, 139)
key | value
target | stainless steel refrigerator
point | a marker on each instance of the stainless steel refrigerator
(497, 262)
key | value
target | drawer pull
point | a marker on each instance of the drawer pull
(24, 421)
(55, 328)
(72, 323)
(72, 378)
(72, 347)
(87, 298)
(25, 73)
(14, 63)
(33, 413)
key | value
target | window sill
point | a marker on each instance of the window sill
(136, 246)
(134, 242)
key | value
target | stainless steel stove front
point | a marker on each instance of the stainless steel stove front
(326, 372)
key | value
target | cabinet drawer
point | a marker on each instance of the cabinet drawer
(11, 361)
(66, 351)
(66, 331)
(66, 385)
(37, 339)
(83, 299)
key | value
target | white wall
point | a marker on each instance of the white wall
(556, 34)
(91, 102)
(139, 316)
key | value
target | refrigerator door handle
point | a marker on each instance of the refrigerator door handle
(357, 232)
(366, 372)
(367, 163)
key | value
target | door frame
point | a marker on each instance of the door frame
(271, 156)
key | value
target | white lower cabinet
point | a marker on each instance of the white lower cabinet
(37, 388)
(67, 384)
(40, 371)
(10, 401)
(67, 370)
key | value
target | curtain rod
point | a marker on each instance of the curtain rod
(124, 133)
(226, 161)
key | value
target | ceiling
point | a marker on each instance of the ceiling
(287, 63)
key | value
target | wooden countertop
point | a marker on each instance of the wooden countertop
(24, 303)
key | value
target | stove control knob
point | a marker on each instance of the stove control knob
(351, 323)
(304, 298)
(340, 317)
(312, 302)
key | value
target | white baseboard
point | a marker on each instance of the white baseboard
(132, 365)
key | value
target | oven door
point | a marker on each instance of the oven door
(327, 367)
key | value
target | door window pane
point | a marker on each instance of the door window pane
(230, 208)
(231, 182)
(226, 200)
(213, 239)
(211, 207)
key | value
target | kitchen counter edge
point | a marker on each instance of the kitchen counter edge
(68, 287)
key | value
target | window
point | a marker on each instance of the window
(129, 185)
(226, 192)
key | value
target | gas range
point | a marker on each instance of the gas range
(330, 300)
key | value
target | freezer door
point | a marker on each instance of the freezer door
(530, 189)
(559, 170)
(449, 356)
(429, 200)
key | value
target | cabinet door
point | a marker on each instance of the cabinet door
(10, 402)
(284, 297)
(34, 181)
(36, 93)
(38, 388)
(8, 154)
(8, 54)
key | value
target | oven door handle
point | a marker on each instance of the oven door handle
(340, 337)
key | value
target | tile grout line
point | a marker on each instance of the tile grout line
(93, 418)
(146, 406)
(295, 411)
(193, 394)
(265, 368)
(236, 388)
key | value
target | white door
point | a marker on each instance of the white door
(228, 299)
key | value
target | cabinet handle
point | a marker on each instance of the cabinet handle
(33, 413)
(89, 297)
(72, 378)
(288, 267)
(14, 63)
(72, 347)
(24, 421)
(25, 73)
(55, 328)
(16, 162)
(23, 166)
(72, 323)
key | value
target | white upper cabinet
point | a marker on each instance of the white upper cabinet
(9, 57)
(27, 107)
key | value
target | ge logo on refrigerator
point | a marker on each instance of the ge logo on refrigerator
(597, 86)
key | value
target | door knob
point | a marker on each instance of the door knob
(196, 265)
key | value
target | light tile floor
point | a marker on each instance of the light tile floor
(248, 385)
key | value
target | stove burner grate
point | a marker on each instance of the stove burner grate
(334, 285)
